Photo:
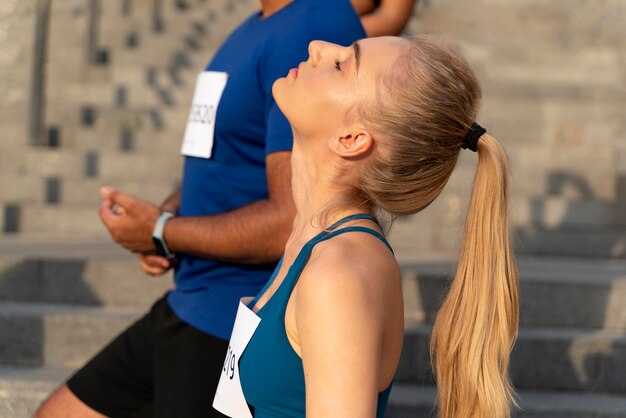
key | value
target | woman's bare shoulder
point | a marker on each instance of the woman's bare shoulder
(349, 264)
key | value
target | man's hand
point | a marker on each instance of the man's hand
(154, 265)
(129, 220)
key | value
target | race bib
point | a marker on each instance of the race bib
(200, 130)
(229, 398)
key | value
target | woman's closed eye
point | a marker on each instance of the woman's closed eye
(338, 65)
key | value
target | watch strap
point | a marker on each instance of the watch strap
(157, 235)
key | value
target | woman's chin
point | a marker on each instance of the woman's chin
(278, 91)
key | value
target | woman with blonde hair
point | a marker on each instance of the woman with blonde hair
(378, 126)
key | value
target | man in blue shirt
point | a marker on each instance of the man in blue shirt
(227, 225)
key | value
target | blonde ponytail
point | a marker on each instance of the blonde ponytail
(476, 326)
(424, 109)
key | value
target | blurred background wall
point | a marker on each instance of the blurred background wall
(97, 92)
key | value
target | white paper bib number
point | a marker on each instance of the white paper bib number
(198, 139)
(229, 398)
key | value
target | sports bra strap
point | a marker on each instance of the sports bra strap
(303, 257)
(293, 273)
(352, 218)
(359, 229)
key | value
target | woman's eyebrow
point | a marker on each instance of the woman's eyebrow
(357, 55)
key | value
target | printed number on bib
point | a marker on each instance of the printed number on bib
(229, 398)
(200, 130)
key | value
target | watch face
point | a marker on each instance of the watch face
(161, 249)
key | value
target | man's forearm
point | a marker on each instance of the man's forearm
(389, 18)
(253, 234)
(172, 203)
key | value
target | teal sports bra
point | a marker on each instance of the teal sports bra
(272, 375)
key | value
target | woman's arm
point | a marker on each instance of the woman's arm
(340, 317)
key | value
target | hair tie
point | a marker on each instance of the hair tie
(473, 135)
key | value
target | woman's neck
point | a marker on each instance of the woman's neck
(320, 200)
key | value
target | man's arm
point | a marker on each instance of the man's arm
(389, 18)
(172, 203)
(255, 233)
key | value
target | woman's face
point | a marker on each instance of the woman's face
(317, 96)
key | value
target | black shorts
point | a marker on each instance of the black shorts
(158, 367)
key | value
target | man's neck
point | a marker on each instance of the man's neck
(269, 7)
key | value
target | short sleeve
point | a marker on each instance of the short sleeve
(285, 52)
(279, 136)
(280, 56)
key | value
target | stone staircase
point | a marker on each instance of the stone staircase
(570, 355)
(57, 308)
(118, 120)
(554, 93)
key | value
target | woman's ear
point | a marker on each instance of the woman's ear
(353, 144)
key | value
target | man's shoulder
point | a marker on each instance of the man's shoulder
(333, 21)
(315, 18)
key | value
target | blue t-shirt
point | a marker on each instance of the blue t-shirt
(248, 126)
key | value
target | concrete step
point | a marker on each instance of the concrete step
(106, 119)
(597, 68)
(23, 389)
(18, 248)
(85, 192)
(31, 189)
(18, 186)
(560, 358)
(135, 79)
(175, 39)
(580, 175)
(562, 293)
(57, 335)
(51, 206)
(143, 55)
(559, 212)
(563, 25)
(60, 222)
(106, 133)
(553, 292)
(541, 226)
(603, 243)
(543, 359)
(412, 401)
(514, 85)
(169, 142)
(108, 165)
(166, 169)
(115, 282)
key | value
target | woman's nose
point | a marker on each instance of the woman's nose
(315, 52)
(319, 49)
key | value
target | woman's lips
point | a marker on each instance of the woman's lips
(294, 71)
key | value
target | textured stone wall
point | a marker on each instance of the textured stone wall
(17, 20)
(553, 77)
(554, 92)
